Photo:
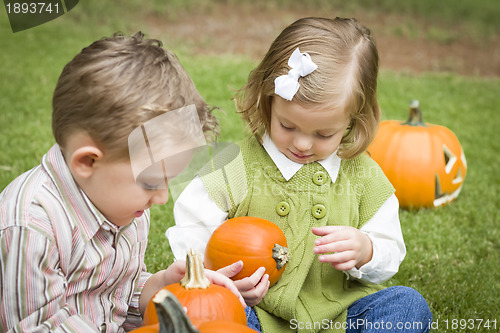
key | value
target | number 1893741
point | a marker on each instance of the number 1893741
(32, 8)
(465, 324)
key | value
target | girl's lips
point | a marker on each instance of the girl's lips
(300, 157)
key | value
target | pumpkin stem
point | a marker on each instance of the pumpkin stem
(415, 118)
(280, 255)
(171, 314)
(195, 273)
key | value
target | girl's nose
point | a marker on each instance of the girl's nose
(303, 142)
(160, 197)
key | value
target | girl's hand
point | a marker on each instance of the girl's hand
(343, 247)
(220, 279)
(252, 288)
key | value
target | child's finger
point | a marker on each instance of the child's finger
(339, 234)
(338, 258)
(338, 246)
(326, 230)
(255, 295)
(232, 269)
(344, 266)
(261, 288)
(251, 281)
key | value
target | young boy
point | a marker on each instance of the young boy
(73, 230)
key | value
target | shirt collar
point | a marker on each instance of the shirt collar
(289, 168)
(84, 213)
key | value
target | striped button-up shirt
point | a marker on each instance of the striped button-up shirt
(63, 266)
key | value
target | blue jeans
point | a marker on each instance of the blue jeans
(394, 309)
(252, 320)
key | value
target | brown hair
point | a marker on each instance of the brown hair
(118, 83)
(346, 78)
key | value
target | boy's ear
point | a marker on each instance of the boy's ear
(83, 159)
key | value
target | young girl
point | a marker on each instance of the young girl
(311, 105)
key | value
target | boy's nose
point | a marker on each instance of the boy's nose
(160, 197)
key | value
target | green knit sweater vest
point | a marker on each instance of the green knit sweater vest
(310, 296)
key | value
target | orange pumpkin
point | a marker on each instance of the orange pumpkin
(155, 328)
(255, 241)
(172, 319)
(220, 326)
(424, 162)
(204, 301)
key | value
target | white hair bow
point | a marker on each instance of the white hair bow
(287, 85)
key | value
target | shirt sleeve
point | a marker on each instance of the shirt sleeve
(196, 217)
(384, 230)
(33, 286)
(134, 317)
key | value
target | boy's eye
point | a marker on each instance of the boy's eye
(150, 187)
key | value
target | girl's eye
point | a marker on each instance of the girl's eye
(286, 127)
(322, 136)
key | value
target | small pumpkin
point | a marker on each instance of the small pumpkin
(220, 326)
(256, 241)
(204, 301)
(173, 319)
(424, 162)
(155, 328)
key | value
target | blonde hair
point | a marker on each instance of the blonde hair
(115, 85)
(346, 78)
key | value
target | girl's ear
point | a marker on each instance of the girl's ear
(83, 159)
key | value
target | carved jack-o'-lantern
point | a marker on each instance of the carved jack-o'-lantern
(424, 162)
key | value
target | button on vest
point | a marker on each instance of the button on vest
(319, 178)
(318, 211)
(282, 208)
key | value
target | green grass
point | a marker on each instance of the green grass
(453, 251)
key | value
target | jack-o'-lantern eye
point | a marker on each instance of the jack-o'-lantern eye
(450, 160)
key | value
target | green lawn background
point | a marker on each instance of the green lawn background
(453, 252)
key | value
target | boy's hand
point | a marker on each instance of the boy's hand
(252, 288)
(175, 272)
(343, 247)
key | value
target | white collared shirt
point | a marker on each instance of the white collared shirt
(195, 225)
